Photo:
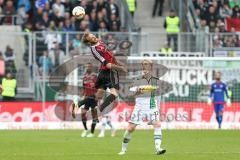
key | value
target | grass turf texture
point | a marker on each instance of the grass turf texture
(67, 145)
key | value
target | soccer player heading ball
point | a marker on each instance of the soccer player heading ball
(217, 94)
(146, 108)
(108, 77)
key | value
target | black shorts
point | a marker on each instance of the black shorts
(107, 79)
(90, 103)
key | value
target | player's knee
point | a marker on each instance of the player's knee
(157, 125)
(100, 94)
(131, 128)
(114, 92)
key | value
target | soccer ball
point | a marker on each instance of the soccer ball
(78, 12)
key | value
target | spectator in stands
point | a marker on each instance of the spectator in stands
(51, 39)
(217, 43)
(68, 27)
(77, 41)
(102, 27)
(93, 24)
(225, 11)
(58, 8)
(236, 12)
(25, 3)
(9, 58)
(22, 15)
(132, 5)
(83, 26)
(45, 21)
(212, 16)
(204, 26)
(171, 25)
(57, 56)
(233, 3)
(39, 13)
(158, 3)
(114, 23)
(166, 49)
(2, 66)
(45, 63)
(9, 87)
(9, 11)
(221, 27)
(113, 8)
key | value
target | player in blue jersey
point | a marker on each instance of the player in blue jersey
(217, 93)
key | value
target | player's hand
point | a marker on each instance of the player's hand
(139, 91)
(209, 101)
(228, 102)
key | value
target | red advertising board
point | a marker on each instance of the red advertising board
(170, 111)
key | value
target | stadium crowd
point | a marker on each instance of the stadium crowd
(213, 15)
(55, 15)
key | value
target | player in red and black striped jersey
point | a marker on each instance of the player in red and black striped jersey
(108, 72)
(89, 81)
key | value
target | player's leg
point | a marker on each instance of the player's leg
(220, 115)
(127, 137)
(217, 109)
(84, 121)
(80, 103)
(113, 130)
(92, 104)
(155, 7)
(111, 81)
(158, 138)
(109, 99)
(102, 131)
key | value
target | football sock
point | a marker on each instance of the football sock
(126, 139)
(94, 123)
(157, 138)
(107, 101)
(103, 125)
(85, 124)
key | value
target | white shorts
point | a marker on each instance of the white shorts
(143, 113)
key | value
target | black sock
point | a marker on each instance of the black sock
(94, 123)
(85, 125)
(107, 101)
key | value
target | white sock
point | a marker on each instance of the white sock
(103, 126)
(157, 138)
(126, 139)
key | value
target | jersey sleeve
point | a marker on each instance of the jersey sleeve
(99, 55)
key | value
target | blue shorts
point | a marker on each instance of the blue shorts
(218, 108)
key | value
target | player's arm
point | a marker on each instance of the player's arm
(109, 65)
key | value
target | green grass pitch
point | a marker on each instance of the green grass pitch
(67, 145)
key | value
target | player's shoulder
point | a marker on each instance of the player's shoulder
(223, 83)
(213, 84)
